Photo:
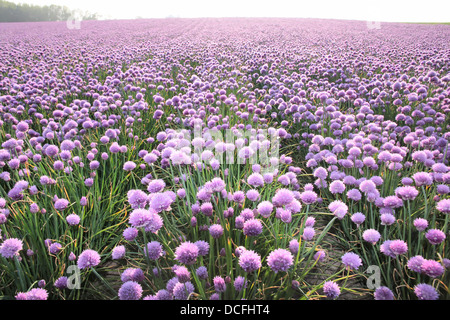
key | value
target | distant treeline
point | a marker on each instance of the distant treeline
(11, 12)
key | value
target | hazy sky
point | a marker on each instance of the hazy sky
(369, 10)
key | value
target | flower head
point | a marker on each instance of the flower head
(351, 260)
(11, 247)
(130, 290)
(435, 236)
(280, 260)
(424, 291)
(118, 253)
(331, 289)
(432, 268)
(88, 258)
(283, 197)
(358, 218)
(383, 293)
(443, 206)
(398, 247)
(420, 224)
(371, 235)
(249, 261)
(252, 227)
(216, 231)
(154, 250)
(182, 291)
(187, 253)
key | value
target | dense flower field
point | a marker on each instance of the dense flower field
(224, 159)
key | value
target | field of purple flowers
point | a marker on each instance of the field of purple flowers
(224, 159)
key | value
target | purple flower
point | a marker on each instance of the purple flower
(118, 253)
(216, 231)
(94, 165)
(442, 189)
(253, 195)
(284, 214)
(249, 261)
(422, 179)
(268, 177)
(83, 201)
(61, 282)
(132, 274)
(255, 180)
(424, 291)
(358, 218)
(321, 173)
(252, 227)
(308, 233)
(280, 260)
(435, 236)
(351, 260)
(217, 185)
(432, 268)
(156, 186)
(11, 247)
(420, 224)
(392, 202)
(182, 273)
(415, 263)
(338, 208)
(130, 233)
(294, 246)
(73, 219)
(331, 289)
(337, 186)
(239, 196)
(265, 209)
(240, 283)
(88, 258)
(154, 250)
(308, 197)
(387, 219)
(160, 202)
(398, 247)
(443, 206)
(163, 295)
(139, 218)
(202, 272)
(154, 223)
(219, 284)
(371, 235)
(207, 209)
(386, 250)
(383, 293)
(187, 253)
(137, 199)
(55, 248)
(367, 186)
(61, 204)
(130, 290)
(282, 197)
(182, 291)
(203, 247)
(320, 255)
(354, 194)
(51, 151)
(407, 192)
(36, 294)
